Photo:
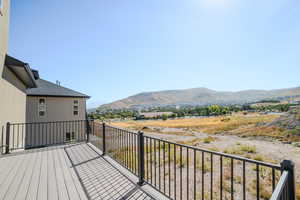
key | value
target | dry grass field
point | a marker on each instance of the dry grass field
(239, 124)
(248, 135)
(211, 124)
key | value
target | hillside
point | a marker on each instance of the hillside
(200, 96)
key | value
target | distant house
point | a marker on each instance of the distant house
(50, 102)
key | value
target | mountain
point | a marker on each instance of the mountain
(200, 96)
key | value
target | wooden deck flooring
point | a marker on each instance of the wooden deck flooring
(69, 172)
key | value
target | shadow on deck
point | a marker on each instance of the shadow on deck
(72, 172)
(99, 178)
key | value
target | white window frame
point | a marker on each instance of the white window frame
(44, 108)
(75, 105)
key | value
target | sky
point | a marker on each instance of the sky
(112, 49)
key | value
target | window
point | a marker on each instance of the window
(75, 107)
(70, 136)
(42, 107)
(73, 136)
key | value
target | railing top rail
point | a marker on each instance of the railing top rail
(25, 123)
(280, 186)
(122, 129)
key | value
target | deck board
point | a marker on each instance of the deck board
(20, 177)
(69, 182)
(42, 186)
(62, 189)
(6, 182)
(52, 182)
(79, 188)
(8, 164)
(34, 179)
(27, 178)
(66, 172)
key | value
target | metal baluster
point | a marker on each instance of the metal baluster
(187, 172)
(211, 176)
(257, 181)
(244, 180)
(221, 177)
(169, 166)
(195, 177)
(159, 174)
(202, 175)
(155, 162)
(164, 161)
(180, 172)
(232, 197)
(175, 196)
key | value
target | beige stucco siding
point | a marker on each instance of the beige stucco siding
(4, 29)
(12, 90)
(59, 111)
(12, 102)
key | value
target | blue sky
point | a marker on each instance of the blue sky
(111, 49)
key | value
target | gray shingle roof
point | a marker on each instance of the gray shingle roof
(46, 88)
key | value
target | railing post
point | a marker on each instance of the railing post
(93, 130)
(103, 139)
(289, 166)
(141, 160)
(7, 137)
(87, 130)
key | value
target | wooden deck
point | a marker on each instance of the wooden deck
(66, 172)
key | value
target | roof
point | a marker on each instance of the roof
(35, 73)
(46, 88)
(21, 70)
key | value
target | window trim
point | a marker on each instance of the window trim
(45, 108)
(76, 104)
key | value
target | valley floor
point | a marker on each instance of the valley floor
(247, 136)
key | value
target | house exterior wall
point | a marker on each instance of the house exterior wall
(12, 104)
(12, 90)
(4, 26)
(59, 111)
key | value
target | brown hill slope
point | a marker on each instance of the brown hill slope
(200, 96)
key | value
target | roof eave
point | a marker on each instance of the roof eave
(62, 96)
(22, 71)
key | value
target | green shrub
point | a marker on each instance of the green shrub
(248, 148)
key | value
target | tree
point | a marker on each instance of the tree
(214, 110)
(164, 117)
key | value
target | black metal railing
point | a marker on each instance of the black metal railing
(285, 189)
(39, 134)
(176, 170)
(185, 172)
